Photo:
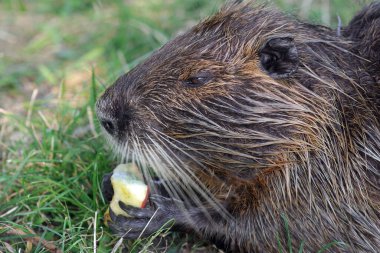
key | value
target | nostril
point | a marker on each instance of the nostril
(108, 125)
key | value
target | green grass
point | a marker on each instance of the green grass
(52, 157)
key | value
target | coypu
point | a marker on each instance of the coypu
(251, 115)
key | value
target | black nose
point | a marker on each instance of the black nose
(115, 112)
(105, 110)
(117, 125)
(108, 125)
(114, 116)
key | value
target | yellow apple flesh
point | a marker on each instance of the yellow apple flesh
(129, 188)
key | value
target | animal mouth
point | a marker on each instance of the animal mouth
(173, 168)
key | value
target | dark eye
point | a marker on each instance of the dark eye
(197, 80)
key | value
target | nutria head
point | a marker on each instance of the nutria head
(244, 95)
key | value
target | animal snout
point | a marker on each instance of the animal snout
(106, 119)
(114, 116)
(108, 124)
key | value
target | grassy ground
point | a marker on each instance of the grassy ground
(56, 57)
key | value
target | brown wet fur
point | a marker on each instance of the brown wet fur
(306, 145)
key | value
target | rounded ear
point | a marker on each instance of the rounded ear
(279, 57)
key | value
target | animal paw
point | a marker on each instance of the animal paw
(143, 222)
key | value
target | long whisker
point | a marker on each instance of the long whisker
(192, 187)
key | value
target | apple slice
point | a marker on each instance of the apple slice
(129, 188)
